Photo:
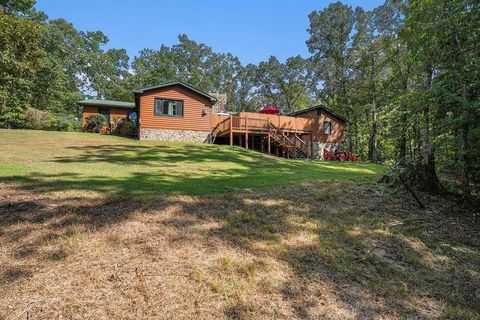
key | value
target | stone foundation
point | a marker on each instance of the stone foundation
(318, 148)
(173, 135)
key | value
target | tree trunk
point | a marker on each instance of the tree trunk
(373, 133)
(466, 189)
(346, 109)
(402, 142)
(465, 127)
(372, 152)
(427, 178)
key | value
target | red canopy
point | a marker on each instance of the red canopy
(269, 110)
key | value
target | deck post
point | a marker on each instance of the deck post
(269, 149)
(246, 139)
(231, 130)
(311, 146)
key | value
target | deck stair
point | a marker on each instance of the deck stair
(286, 142)
(291, 145)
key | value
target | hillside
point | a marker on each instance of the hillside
(102, 227)
(90, 163)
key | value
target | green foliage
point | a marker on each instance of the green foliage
(17, 7)
(37, 119)
(131, 129)
(20, 57)
(405, 74)
(284, 84)
(196, 64)
(95, 122)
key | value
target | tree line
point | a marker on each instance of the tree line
(406, 74)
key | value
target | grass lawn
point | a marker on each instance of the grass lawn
(100, 227)
(91, 163)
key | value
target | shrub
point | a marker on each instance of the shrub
(66, 123)
(95, 122)
(37, 119)
(131, 129)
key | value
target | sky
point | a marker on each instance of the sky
(251, 30)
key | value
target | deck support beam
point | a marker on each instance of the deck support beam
(246, 140)
(312, 157)
(269, 144)
(231, 130)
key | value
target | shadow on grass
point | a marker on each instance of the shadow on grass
(365, 245)
(370, 253)
(191, 169)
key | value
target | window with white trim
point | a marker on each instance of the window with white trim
(168, 107)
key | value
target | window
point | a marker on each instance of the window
(132, 116)
(168, 107)
(327, 127)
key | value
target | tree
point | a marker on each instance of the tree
(371, 60)
(329, 43)
(285, 85)
(56, 85)
(196, 64)
(449, 33)
(21, 57)
(17, 7)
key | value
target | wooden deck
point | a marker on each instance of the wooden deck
(288, 136)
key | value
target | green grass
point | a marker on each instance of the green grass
(314, 240)
(98, 165)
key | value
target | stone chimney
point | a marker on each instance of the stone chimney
(221, 104)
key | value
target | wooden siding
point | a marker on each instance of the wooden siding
(317, 126)
(115, 113)
(194, 105)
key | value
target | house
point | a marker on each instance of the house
(172, 111)
(176, 111)
(327, 128)
(114, 112)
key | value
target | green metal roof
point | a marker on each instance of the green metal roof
(176, 82)
(107, 103)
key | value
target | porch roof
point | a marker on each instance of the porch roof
(107, 103)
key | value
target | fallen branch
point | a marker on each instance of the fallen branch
(420, 204)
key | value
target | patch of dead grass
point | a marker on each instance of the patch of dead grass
(336, 251)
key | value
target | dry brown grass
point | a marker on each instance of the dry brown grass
(309, 250)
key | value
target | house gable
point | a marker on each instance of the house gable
(320, 116)
(197, 108)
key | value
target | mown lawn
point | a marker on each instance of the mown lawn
(99, 227)
(92, 163)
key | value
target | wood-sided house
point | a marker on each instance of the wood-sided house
(173, 111)
(176, 111)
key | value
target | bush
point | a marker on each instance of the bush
(37, 119)
(131, 129)
(95, 122)
(66, 123)
(74, 124)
